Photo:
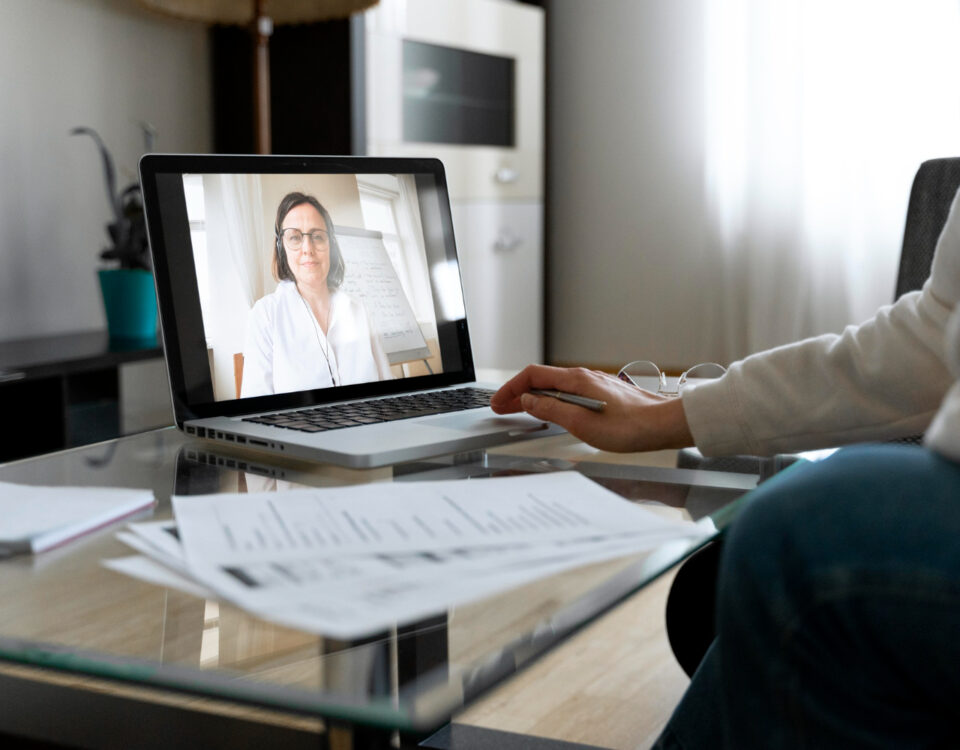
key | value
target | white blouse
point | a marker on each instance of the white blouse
(286, 350)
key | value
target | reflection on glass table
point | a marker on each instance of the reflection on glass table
(64, 610)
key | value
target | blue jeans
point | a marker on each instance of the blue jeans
(838, 612)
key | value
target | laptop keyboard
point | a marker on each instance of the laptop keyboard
(337, 416)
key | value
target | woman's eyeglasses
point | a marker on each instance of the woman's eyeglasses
(293, 238)
(645, 374)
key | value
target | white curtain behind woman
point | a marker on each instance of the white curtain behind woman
(243, 211)
(818, 114)
(238, 254)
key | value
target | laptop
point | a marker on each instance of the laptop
(312, 307)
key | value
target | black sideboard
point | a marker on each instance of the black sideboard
(63, 390)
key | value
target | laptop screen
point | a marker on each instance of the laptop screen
(287, 281)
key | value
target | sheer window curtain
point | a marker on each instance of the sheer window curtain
(238, 257)
(818, 113)
(244, 225)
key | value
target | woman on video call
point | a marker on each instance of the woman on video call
(308, 333)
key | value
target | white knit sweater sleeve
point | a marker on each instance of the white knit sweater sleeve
(885, 378)
(944, 433)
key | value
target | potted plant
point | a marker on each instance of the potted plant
(129, 297)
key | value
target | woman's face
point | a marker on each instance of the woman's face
(310, 262)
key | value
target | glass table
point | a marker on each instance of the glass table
(68, 623)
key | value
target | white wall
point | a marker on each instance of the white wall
(102, 63)
(625, 198)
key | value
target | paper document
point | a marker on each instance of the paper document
(159, 540)
(396, 517)
(347, 562)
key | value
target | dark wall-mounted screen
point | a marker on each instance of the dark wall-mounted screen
(457, 96)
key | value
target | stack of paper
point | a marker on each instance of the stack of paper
(34, 519)
(351, 561)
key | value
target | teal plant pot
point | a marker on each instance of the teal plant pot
(130, 301)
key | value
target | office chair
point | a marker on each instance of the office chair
(933, 190)
(691, 602)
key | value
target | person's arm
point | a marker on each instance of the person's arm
(883, 379)
(380, 361)
(944, 433)
(258, 353)
(633, 419)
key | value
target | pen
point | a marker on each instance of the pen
(571, 398)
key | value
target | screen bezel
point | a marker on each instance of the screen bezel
(178, 299)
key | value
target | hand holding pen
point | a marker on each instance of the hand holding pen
(596, 407)
(572, 398)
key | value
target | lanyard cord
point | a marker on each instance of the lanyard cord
(316, 332)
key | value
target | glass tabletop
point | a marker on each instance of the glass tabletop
(64, 610)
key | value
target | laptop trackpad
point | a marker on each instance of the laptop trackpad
(469, 423)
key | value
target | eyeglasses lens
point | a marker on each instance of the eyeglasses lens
(704, 371)
(643, 374)
(293, 238)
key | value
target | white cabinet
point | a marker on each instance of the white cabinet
(464, 61)
(463, 81)
(500, 245)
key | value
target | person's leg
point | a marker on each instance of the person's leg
(839, 606)
(838, 611)
(691, 612)
(697, 722)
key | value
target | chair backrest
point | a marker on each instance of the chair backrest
(934, 187)
(238, 371)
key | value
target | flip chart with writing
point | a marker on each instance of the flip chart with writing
(371, 277)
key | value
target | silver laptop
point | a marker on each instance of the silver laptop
(312, 307)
